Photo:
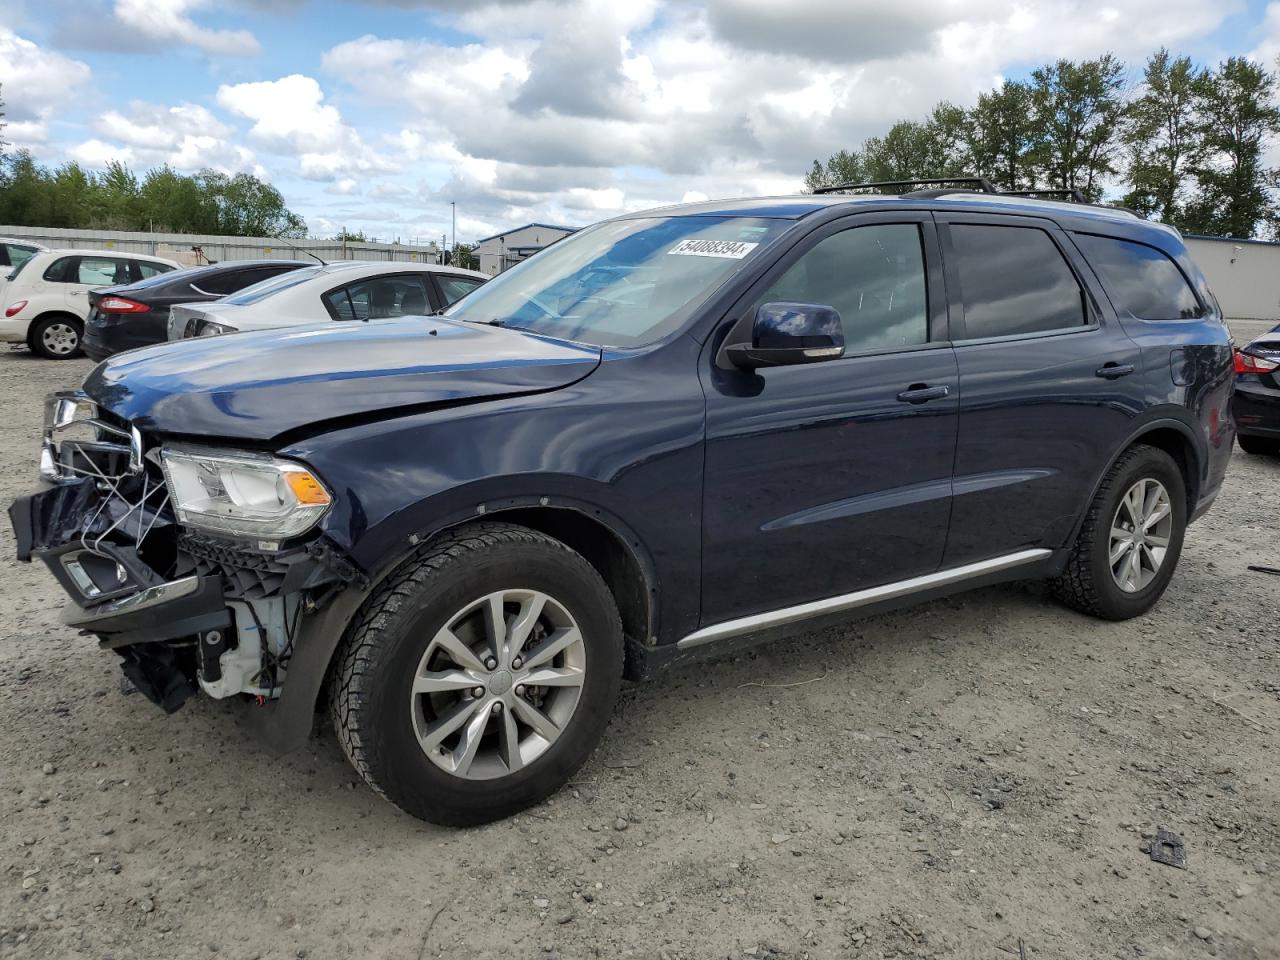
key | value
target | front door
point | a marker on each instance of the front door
(826, 478)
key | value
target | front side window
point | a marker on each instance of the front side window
(378, 298)
(455, 288)
(874, 276)
(622, 283)
(1014, 280)
(1141, 281)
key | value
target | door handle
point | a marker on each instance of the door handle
(1114, 371)
(923, 393)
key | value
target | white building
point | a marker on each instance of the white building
(504, 250)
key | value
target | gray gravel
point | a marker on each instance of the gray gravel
(977, 777)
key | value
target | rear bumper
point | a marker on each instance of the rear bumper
(1256, 409)
(14, 330)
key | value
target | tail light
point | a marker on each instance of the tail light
(1249, 363)
(121, 305)
(15, 308)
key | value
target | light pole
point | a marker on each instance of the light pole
(453, 207)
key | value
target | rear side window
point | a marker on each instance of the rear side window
(149, 269)
(454, 288)
(874, 276)
(1014, 280)
(1141, 281)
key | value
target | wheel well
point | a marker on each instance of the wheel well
(613, 558)
(1178, 446)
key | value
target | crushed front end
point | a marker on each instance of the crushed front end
(191, 563)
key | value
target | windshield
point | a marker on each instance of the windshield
(265, 288)
(623, 283)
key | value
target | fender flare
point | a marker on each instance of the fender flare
(1134, 436)
(287, 724)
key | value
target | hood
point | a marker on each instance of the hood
(257, 386)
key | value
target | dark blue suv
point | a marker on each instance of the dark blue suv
(667, 435)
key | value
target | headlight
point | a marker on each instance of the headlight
(242, 494)
(199, 327)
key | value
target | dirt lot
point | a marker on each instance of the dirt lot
(974, 778)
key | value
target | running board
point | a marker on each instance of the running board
(851, 601)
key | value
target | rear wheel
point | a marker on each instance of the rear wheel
(480, 677)
(1131, 538)
(1259, 446)
(56, 337)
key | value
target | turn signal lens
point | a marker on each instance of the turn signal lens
(15, 308)
(307, 488)
(1249, 363)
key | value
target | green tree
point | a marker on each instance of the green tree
(25, 198)
(1239, 118)
(115, 201)
(1000, 139)
(1163, 135)
(72, 196)
(346, 236)
(464, 255)
(249, 207)
(1075, 112)
(843, 167)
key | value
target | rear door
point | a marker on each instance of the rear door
(826, 478)
(1047, 385)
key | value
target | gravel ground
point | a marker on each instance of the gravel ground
(977, 777)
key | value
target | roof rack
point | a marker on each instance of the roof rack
(1072, 194)
(982, 184)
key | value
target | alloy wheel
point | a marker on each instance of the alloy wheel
(498, 684)
(1140, 532)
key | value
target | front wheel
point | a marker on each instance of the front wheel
(1131, 538)
(479, 677)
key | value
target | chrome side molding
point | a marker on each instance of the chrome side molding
(861, 598)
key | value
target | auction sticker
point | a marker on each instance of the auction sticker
(725, 249)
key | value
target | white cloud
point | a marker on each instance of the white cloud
(168, 20)
(290, 117)
(35, 83)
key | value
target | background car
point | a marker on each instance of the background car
(137, 314)
(46, 300)
(14, 253)
(345, 290)
(1256, 403)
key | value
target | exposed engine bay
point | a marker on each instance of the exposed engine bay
(185, 609)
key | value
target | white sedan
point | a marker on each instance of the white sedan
(343, 290)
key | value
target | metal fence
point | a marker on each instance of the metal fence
(191, 249)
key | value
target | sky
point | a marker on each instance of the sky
(377, 115)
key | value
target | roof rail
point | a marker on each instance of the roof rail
(982, 184)
(1071, 194)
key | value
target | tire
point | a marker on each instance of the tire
(56, 336)
(394, 645)
(1258, 446)
(1089, 583)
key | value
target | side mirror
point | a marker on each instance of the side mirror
(784, 334)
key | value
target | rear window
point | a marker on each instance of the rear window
(260, 291)
(1141, 281)
(1014, 281)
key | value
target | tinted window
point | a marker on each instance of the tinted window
(265, 288)
(1014, 280)
(1140, 280)
(455, 288)
(874, 276)
(378, 298)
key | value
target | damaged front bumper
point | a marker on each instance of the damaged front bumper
(185, 610)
